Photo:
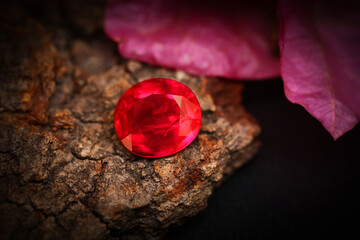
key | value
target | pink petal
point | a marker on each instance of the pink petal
(320, 60)
(200, 37)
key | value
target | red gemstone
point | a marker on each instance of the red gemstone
(157, 117)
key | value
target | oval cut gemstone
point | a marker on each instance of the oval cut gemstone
(157, 117)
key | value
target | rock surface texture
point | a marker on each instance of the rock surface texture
(63, 172)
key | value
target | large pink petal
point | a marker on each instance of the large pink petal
(216, 38)
(320, 60)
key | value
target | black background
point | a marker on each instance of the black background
(301, 184)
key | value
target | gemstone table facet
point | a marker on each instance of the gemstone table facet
(157, 117)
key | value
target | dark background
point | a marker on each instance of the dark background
(301, 184)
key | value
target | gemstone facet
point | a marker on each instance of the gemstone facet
(157, 117)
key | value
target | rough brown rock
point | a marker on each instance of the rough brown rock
(63, 172)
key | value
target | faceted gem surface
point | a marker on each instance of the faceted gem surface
(157, 117)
